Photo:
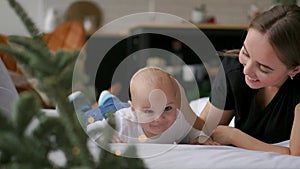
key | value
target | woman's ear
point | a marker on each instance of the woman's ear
(295, 71)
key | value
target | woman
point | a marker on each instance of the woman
(263, 86)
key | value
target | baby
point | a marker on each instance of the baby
(154, 114)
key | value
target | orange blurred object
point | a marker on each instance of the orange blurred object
(68, 36)
(8, 61)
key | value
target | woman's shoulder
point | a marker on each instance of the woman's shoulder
(231, 64)
(293, 83)
(297, 78)
(233, 69)
(291, 90)
(296, 84)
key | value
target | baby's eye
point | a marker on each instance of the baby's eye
(148, 111)
(168, 108)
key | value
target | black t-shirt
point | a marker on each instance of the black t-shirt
(271, 124)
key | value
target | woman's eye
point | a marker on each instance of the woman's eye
(263, 69)
(245, 53)
(168, 108)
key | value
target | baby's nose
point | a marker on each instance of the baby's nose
(158, 100)
(160, 118)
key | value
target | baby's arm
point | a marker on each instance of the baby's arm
(103, 131)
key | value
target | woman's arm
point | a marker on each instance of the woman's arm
(295, 134)
(232, 136)
(214, 117)
(229, 135)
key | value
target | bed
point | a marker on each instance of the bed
(184, 156)
(163, 156)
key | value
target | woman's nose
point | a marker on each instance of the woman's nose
(248, 68)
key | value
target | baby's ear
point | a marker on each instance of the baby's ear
(132, 108)
(177, 91)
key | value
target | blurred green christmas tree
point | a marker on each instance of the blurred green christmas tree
(62, 137)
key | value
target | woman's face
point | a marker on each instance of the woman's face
(262, 68)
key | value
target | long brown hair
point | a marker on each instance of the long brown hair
(282, 26)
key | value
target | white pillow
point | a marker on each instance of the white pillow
(8, 92)
(198, 104)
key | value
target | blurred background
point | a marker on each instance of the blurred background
(222, 11)
(224, 22)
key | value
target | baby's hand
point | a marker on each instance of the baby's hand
(207, 141)
(204, 140)
(116, 139)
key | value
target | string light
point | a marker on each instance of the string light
(76, 150)
(91, 120)
(118, 153)
(142, 138)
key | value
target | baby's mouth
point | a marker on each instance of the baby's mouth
(156, 126)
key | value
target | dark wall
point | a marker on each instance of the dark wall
(105, 53)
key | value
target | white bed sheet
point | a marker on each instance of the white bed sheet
(214, 157)
(184, 156)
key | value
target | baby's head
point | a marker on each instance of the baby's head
(154, 100)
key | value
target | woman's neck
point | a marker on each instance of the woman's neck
(265, 96)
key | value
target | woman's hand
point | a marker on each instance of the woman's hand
(224, 134)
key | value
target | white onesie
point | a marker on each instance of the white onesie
(130, 131)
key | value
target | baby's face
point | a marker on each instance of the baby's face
(156, 110)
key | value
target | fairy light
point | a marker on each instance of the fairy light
(142, 138)
(118, 153)
(91, 120)
(76, 150)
